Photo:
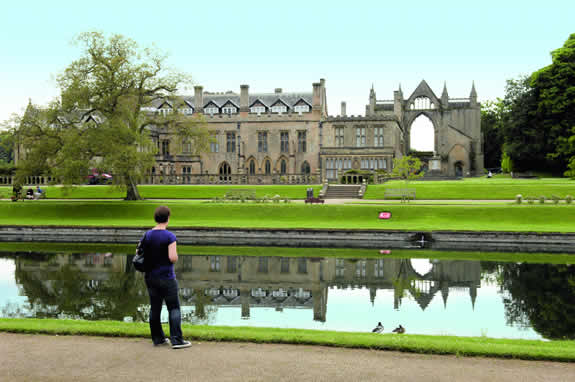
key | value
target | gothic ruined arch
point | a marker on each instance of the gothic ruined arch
(422, 101)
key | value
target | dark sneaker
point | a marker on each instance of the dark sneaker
(166, 342)
(185, 344)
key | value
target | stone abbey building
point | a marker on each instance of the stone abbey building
(279, 137)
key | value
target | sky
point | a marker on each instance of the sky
(292, 44)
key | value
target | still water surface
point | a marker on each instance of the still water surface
(426, 296)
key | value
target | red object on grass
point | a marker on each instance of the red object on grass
(385, 215)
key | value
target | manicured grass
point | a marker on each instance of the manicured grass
(539, 218)
(172, 191)
(462, 346)
(547, 258)
(480, 188)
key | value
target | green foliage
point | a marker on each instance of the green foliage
(568, 199)
(492, 114)
(542, 199)
(553, 318)
(506, 163)
(407, 168)
(555, 199)
(99, 121)
(518, 198)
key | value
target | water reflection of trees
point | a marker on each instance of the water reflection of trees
(542, 296)
(64, 290)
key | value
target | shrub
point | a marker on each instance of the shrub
(555, 198)
(276, 198)
(518, 198)
(568, 199)
(530, 199)
(542, 199)
(287, 200)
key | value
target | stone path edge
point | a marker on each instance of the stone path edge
(312, 238)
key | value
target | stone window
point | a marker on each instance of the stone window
(215, 263)
(231, 142)
(229, 110)
(211, 110)
(301, 109)
(279, 108)
(360, 136)
(283, 167)
(252, 167)
(339, 137)
(268, 167)
(165, 147)
(301, 141)
(263, 264)
(232, 264)
(284, 265)
(262, 142)
(302, 265)
(360, 268)
(339, 267)
(284, 142)
(378, 268)
(378, 137)
(186, 145)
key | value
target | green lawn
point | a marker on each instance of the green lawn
(511, 217)
(170, 192)
(463, 346)
(480, 188)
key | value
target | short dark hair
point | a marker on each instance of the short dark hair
(161, 214)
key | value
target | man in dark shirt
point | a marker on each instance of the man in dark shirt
(161, 253)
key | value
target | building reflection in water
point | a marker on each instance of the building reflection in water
(110, 286)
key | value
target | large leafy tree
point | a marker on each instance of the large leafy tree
(555, 85)
(492, 114)
(100, 120)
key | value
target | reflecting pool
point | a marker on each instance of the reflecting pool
(426, 296)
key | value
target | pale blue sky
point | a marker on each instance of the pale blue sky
(291, 44)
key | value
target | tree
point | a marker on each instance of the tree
(407, 168)
(492, 114)
(555, 85)
(100, 120)
(541, 296)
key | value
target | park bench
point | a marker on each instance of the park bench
(403, 193)
(314, 200)
(240, 193)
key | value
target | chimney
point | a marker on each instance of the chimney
(278, 90)
(244, 97)
(316, 96)
(343, 111)
(199, 98)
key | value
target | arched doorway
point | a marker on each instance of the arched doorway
(225, 172)
(305, 169)
(458, 167)
(283, 167)
(422, 134)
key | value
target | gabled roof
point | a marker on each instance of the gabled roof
(257, 100)
(423, 90)
(166, 102)
(232, 102)
(304, 101)
(206, 104)
(190, 105)
(279, 100)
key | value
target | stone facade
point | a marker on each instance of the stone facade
(279, 137)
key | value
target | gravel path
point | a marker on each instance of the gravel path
(70, 358)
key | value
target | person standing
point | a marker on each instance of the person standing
(161, 254)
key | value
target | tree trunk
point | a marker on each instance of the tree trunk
(132, 192)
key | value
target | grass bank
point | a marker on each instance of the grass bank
(463, 346)
(352, 253)
(480, 188)
(538, 218)
(171, 191)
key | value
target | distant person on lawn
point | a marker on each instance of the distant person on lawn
(160, 254)
(38, 193)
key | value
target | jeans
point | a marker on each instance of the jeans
(164, 290)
